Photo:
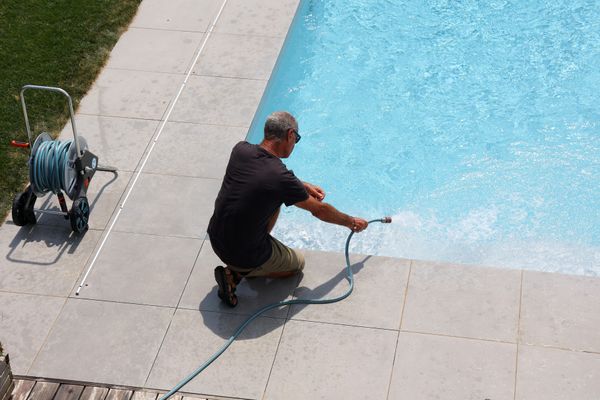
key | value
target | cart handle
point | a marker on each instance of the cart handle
(15, 143)
(50, 89)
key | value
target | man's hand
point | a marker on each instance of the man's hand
(358, 224)
(314, 191)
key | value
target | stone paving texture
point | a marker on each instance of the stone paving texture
(148, 313)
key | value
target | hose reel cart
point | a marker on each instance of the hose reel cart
(60, 167)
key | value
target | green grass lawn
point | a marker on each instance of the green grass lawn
(60, 43)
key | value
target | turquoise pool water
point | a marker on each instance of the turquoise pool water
(476, 125)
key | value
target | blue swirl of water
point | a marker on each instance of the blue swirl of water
(476, 124)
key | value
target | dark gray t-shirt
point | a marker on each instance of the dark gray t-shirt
(255, 185)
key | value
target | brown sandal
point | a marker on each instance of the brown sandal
(226, 290)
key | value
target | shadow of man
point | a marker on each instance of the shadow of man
(225, 321)
(323, 290)
(251, 294)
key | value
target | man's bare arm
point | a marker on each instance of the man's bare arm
(315, 191)
(328, 213)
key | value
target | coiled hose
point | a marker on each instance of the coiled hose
(243, 326)
(48, 166)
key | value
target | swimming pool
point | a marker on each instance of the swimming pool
(476, 126)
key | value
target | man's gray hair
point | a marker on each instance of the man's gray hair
(278, 123)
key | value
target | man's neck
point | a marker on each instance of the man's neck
(271, 147)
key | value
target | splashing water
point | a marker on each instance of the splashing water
(475, 125)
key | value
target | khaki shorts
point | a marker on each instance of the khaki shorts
(283, 259)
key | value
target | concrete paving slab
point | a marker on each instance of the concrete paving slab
(118, 142)
(429, 367)
(257, 17)
(42, 259)
(323, 361)
(239, 56)
(253, 294)
(25, 320)
(142, 269)
(182, 15)
(378, 297)
(241, 372)
(194, 150)
(552, 374)
(219, 101)
(169, 205)
(481, 303)
(103, 342)
(132, 94)
(155, 50)
(561, 311)
(105, 192)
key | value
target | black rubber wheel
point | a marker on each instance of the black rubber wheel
(18, 209)
(22, 208)
(79, 215)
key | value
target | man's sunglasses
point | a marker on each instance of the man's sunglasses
(298, 137)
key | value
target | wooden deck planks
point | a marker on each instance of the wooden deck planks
(141, 395)
(174, 397)
(30, 389)
(44, 391)
(22, 389)
(68, 392)
(94, 393)
(119, 394)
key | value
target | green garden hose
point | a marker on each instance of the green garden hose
(49, 165)
(243, 326)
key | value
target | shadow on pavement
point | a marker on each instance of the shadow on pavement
(30, 237)
(224, 323)
(49, 204)
(323, 290)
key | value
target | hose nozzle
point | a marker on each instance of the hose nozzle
(386, 220)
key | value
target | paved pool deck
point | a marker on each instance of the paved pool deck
(148, 313)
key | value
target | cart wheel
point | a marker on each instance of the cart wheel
(79, 215)
(22, 208)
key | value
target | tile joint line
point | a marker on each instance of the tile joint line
(518, 336)
(389, 386)
(160, 130)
